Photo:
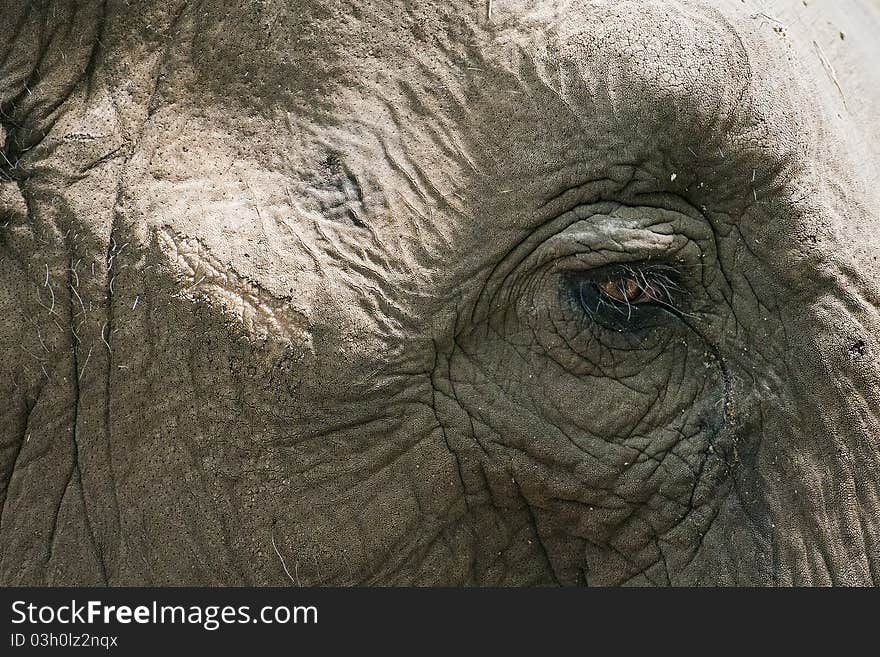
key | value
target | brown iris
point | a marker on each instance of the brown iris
(631, 289)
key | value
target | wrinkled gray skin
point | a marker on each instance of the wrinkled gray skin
(286, 292)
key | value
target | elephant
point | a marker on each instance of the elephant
(487, 293)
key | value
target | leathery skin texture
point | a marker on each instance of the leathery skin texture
(408, 293)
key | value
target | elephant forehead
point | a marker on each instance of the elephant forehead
(418, 169)
(650, 52)
(304, 53)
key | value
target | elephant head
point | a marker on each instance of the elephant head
(338, 292)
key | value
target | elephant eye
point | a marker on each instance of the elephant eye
(634, 287)
(623, 297)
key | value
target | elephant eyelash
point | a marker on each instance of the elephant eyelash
(625, 290)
